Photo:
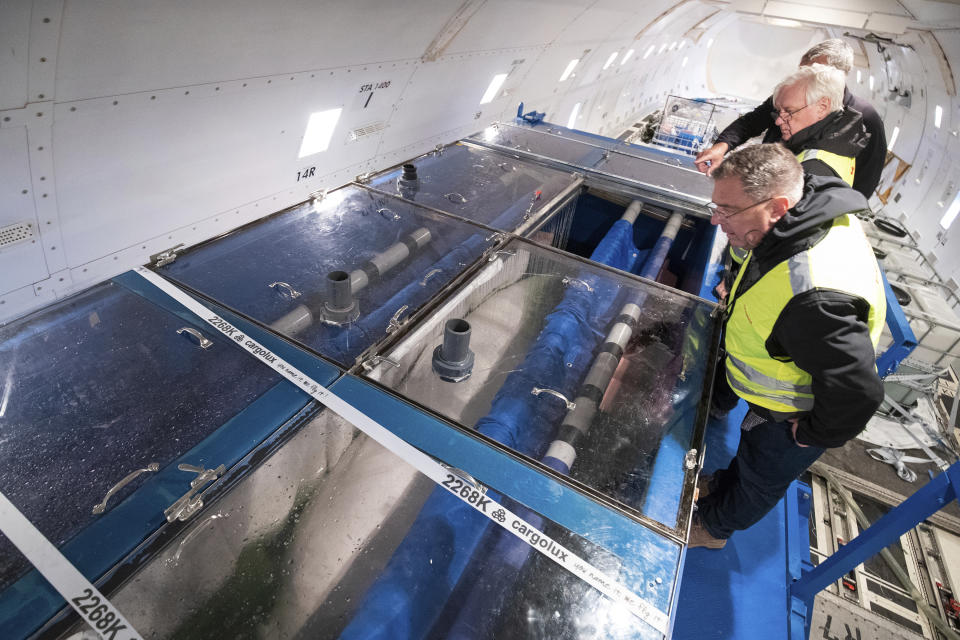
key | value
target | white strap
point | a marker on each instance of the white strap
(96, 610)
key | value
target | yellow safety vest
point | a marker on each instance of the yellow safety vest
(841, 261)
(843, 166)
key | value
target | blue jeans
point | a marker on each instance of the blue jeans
(767, 461)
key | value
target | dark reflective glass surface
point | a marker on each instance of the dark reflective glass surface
(96, 387)
(487, 187)
(648, 174)
(336, 537)
(285, 271)
(611, 367)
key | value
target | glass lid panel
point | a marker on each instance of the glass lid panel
(529, 141)
(337, 275)
(335, 536)
(598, 375)
(647, 152)
(100, 385)
(648, 174)
(480, 185)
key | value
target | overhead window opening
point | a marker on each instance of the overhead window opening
(684, 63)
(673, 45)
(709, 43)
(680, 46)
(494, 88)
(937, 116)
(859, 77)
(893, 138)
(573, 116)
(320, 128)
(610, 60)
(649, 51)
(626, 57)
(951, 213)
(566, 72)
(871, 83)
(662, 47)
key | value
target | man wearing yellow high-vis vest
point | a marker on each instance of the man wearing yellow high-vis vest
(804, 316)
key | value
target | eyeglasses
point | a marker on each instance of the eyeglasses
(785, 115)
(721, 211)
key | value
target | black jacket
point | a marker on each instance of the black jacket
(823, 332)
(869, 160)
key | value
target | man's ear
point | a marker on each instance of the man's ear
(823, 104)
(781, 204)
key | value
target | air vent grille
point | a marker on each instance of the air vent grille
(366, 130)
(15, 234)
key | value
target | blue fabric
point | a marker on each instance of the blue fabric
(411, 591)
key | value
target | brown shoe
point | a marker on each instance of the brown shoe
(700, 537)
(703, 487)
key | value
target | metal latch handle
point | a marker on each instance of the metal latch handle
(536, 391)
(190, 503)
(153, 467)
(293, 293)
(201, 340)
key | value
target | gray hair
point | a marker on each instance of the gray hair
(765, 171)
(818, 81)
(837, 52)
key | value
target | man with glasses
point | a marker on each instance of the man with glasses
(870, 155)
(804, 317)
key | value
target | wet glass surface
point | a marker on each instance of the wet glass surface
(395, 255)
(480, 185)
(648, 174)
(336, 537)
(614, 368)
(96, 387)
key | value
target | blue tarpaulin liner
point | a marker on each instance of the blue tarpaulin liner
(414, 587)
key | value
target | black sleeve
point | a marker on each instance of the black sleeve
(748, 125)
(870, 161)
(825, 334)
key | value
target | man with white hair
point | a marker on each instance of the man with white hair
(808, 109)
(869, 161)
(803, 321)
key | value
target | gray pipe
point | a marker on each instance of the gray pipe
(456, 340)
(336, 308)
(453, 360)
(339, 290)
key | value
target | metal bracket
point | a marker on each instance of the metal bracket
(456, 198)
(536, 391)
(190, 503)
(395, 323)
(690, 460)
(201, 340)
(153, 467)
(371, 363)
(293, 293)
(502, 252)
(166, 256)
(389, 214)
